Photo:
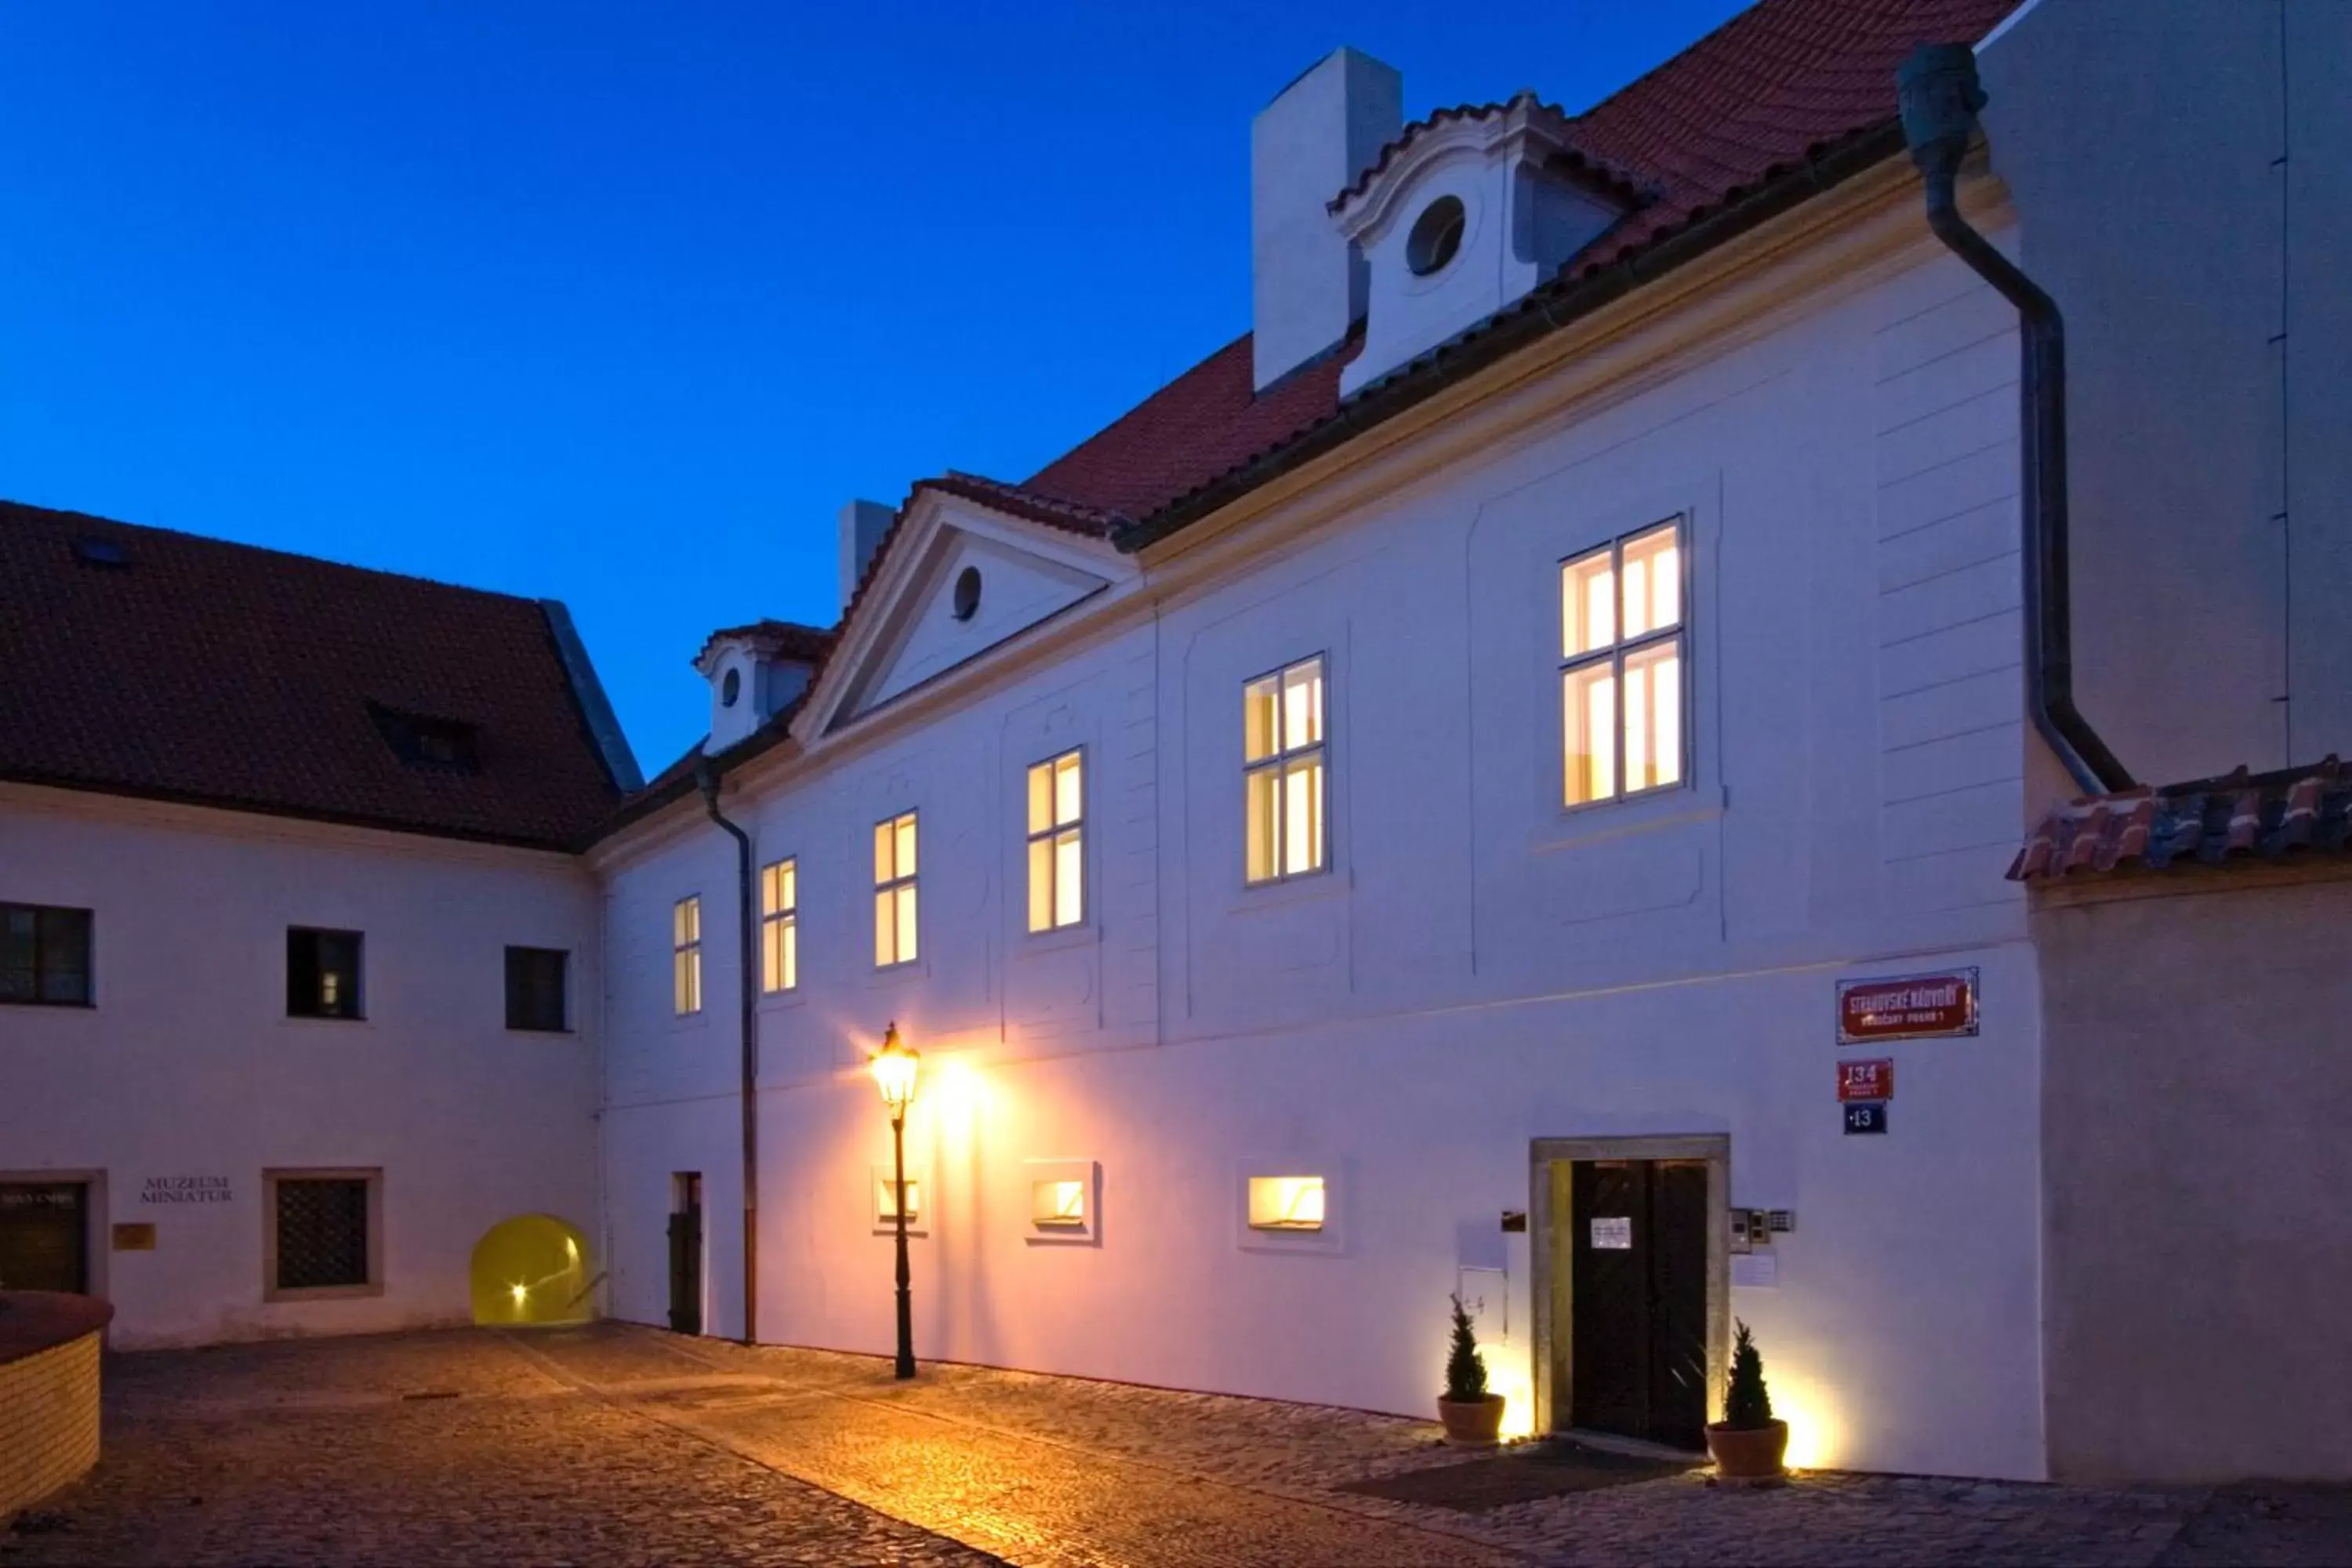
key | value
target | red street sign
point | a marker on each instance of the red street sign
(1872, 1080)
(1906, 1007)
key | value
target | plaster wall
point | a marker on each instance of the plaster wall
(2196, 256)
(1479, 967)
(2200, 1253)
(188, 1064)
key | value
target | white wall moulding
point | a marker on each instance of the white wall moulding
(1065, 1199)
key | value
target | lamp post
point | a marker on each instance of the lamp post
(894, 1072)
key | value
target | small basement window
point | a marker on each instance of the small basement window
(1059, 1205)
(1286, 1203)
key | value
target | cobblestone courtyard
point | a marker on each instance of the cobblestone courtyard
(622, 1445)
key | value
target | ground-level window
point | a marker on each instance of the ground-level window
(44, 956)
(325, 1233)
(686, 955)
(894, 890)
(322, 974)
(1621, 667)
(780, 934)
(1057, 845)
(1286, 1203)
(535, 988)
(1284, 782)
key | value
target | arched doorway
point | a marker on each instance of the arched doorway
(532, 1268)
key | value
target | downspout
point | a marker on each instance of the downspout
(1941, 96)
(747, 976)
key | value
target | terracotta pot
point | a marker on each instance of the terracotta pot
(1751, 1457)
(1473, 1422)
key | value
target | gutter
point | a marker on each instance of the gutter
(1940, 97)
(706, 778)
(1547, 308)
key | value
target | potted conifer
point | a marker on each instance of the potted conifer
(1747, 1444)
(1473, 1418)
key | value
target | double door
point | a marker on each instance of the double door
(1638, 1301)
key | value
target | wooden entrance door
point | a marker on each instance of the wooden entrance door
(686, 1253)
(1638, 1298)
(45, 1236)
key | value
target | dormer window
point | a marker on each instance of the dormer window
(1436, 236)
(424, 741)
(1463, 214)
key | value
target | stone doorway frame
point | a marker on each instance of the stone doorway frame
(1551, 1287)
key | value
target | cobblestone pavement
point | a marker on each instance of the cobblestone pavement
(614, 1443)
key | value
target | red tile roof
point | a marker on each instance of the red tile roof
(1751, 100)
(2242, 818)
(776, 639)
(194, 670)
(1626, 184)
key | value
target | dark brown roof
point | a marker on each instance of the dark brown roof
(1752, 101)
(145, 662)
(2243, 818)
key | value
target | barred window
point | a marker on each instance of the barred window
(321, 1234)
(780, 921)
(535, 988)
(44, 956)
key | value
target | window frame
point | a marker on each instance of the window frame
(89, 997)
(562, 1025)
(373, 1285)
(891, 887)
(1615, 653)
(1278, 761)
(686, 956)
(1051, 836)
(357, 1012)
(780, 927)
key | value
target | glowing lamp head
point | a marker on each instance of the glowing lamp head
(894, 1071)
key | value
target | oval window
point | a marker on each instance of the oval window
(967, 593)
(730, 687)
(1436, 236)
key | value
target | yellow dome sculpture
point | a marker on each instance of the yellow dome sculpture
(532, 1268)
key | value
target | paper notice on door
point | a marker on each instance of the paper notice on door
(1613, 1234)
(1754, 1268)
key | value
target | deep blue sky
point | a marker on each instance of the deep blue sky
(618, 305)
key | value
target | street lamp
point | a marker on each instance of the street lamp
(894, 1073)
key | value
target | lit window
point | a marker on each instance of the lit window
(1621, 612)
(886, 1198)
(1057, 849)
(894, 891)
(780, 934)
(1059, 1205)
(322, 974)
(1282, 746)
(686, 955)
(1286, 1203)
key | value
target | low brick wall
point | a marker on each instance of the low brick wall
(48, 1393)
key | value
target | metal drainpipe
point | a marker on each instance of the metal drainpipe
(707, 777)
(1941, 96)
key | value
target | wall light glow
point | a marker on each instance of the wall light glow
(1817, 1437)
(1509, 1374)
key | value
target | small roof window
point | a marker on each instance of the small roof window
(1436, 236)
(91, 551)
(428, 742)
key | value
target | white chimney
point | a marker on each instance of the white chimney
(863, 524)
(1307, 284)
